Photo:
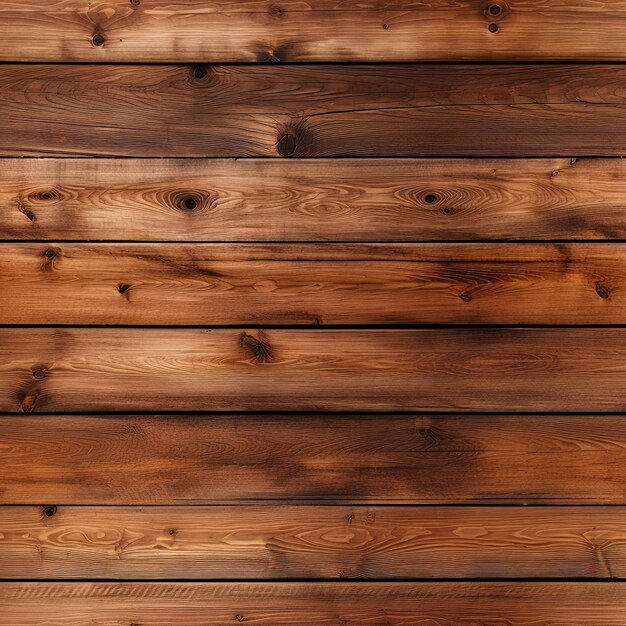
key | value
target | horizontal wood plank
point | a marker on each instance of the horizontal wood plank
(297, 284)
(312, 200)
(286, 541)
(150, 459)
(394, 604)
(313, 111)
(121, 369)
(328, 30)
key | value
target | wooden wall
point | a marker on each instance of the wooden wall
(312, 312)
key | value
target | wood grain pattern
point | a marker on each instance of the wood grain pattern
(150, 459)
(394, 604)
(312, 200)
(313, 111)
(213, 284)
(328, 30)
(286, 541)
(112, 369)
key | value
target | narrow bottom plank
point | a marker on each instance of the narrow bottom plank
(346, 604)
(290, 541)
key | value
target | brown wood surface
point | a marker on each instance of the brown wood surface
(313, 30)
(412, 459)
(315, 284)
(286, 541)
(313, 110)
(151, 369)
(392, 604)
(312, 200)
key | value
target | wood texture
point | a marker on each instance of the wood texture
(312, 200)
(394, 604)
(286, 541)
(148, 459)
(213, 284)
(313, 111)
(328, 30)
(87, 369)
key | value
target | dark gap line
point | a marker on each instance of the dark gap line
(322, 243)
(391, 327)
(567, 61)
(317, 413)
(304, 158)
(336, 581)
(290, 502)
(338, 157)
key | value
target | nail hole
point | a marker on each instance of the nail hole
(171, 531)
(493, 28)
(97, 40)
(49, 511)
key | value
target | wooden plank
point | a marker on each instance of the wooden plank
(213, 284)
(286, 541)
(312, 200)
(396, 604)
(313, 111)
(121, 369)
(176, 459)
(323, 30)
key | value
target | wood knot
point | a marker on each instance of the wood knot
(275, 11)
(493, 28)
(258, 348)
(495, 10)
(45, 195)
(135, 3)
(287, 144)
(189, 203)
(200, 71)
(50, 256)
(466, 297)
(188, 200)
(171, 532)
(122, 288)
(30, 215)
(430, 198)
(98, 39)
(603, 291)
(49, 511)
(39, 373)
(239, 617)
